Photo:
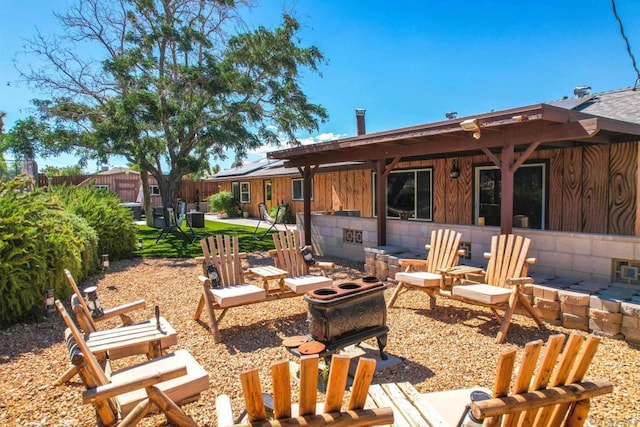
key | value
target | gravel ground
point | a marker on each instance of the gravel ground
(448, 347)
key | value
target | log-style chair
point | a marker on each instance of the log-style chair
(501, 286)
(308, 412)
(443, 253)
(149, 337)
(223, 253)
(548, 388)
(287, 256)
(124, 397)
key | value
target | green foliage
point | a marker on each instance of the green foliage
(102, 211)
(224, 202)
(38, 239)
(175, 86)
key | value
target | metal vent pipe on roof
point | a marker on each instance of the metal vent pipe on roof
(360, 121)
(582, 91)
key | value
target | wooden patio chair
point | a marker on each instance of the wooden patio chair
(287, 256)
(272, 222)
(548, 388)
(424, 275)
(149, 337)
(124, 397)
(222, 253)
(501, 286)
(308, 412)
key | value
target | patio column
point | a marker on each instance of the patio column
(381, 190)
(506, 190)
(307, 176)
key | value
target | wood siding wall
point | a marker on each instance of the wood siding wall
(591, 189)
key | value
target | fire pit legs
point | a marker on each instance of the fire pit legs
(382, 343)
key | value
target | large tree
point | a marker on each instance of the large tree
(171, 82)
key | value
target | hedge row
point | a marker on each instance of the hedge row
(41, 234)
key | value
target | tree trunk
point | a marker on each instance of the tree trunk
(146, 197)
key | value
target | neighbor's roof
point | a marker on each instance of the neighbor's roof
(620, 104)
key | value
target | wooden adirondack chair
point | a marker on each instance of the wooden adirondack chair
(287, 256)
(148, 337)
(424, 275)
(308, 412)
(223, 253)
(123, 398)
(548, 388)
(503, 284)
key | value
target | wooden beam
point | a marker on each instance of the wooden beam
(506, 199)
(524, 156)
(391, 166)
(492, 157)
(381, 199)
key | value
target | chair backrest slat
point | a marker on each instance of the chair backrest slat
(223, 252)
(288, 257)
(88, 320)
(308, 385)
(443, 252)
(508, 259)
(281, 378)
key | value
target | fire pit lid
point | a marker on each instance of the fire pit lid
(311, 347)
(294, 341)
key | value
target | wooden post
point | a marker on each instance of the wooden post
(381, 201)
(506, 199)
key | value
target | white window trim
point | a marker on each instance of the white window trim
(153, 192)
(301, 181)
(101, 186)
(245, 196)
(476, 189)
(425, 169)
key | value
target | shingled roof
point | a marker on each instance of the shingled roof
(620, 104)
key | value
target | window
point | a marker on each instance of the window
(529, 195)
(408, 194)
(235, 191)
(245, 193)
(101, 186)
(154, 190)
(297, 189)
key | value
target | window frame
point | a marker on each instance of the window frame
(429, 171)
(101, 186)
(154, 190)
(544, 165)
(245, 192)
(301, 181)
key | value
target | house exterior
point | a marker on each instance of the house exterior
(565, 170)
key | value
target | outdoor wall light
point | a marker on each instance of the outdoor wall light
(470, 125)
(91, 295)
(105, 262)
(454, 173)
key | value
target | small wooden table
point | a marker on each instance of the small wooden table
(270, 273)
(457, 273)
(409, 407)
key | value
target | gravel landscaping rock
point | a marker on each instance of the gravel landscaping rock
(451, 346)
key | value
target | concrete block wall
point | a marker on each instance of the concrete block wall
(580, 256)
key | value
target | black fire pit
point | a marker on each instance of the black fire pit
(347, 314)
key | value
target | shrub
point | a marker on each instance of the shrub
(101, 209)
(224, 202)
(38, 239)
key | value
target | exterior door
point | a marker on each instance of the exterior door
(267, 193)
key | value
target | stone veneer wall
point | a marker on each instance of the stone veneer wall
(574, 273)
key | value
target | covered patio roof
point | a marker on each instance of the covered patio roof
(497, 134)
(543, 124)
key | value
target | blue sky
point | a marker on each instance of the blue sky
(409, 62)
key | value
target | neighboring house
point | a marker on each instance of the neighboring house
(126, 184)
(564, 167)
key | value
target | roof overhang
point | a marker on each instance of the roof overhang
(540, 123)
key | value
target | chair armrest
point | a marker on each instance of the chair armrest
(408, 262)
(204, 279)
(122, 310)
(471, 278)
(107, 391)
(519, 281)
(462, 252)
(531, 260)
(487, 255)
(224, 411)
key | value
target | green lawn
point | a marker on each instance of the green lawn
(174, 245)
